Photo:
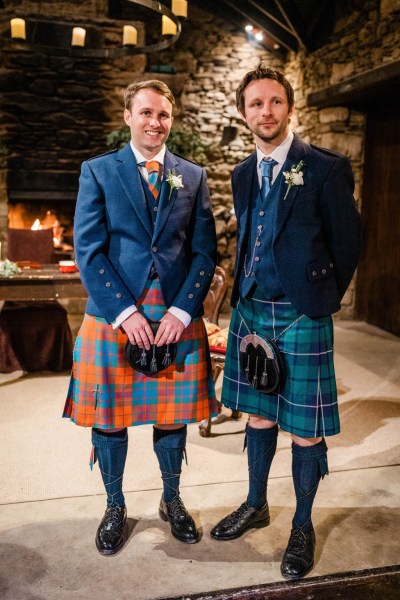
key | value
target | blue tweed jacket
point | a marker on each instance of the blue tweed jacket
(116, 245)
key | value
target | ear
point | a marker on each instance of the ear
(127, 117)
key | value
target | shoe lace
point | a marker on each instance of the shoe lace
(239, 512)
(177, 507)
(113, 517)
(298, 541)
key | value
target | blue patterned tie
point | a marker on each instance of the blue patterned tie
(266, 165)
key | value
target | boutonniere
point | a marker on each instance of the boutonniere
(175, 182)
(293, 177)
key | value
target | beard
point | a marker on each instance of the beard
(274, 133)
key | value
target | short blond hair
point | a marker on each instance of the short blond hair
(151, 84)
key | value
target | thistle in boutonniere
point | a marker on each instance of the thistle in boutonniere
(175, 182)
(293, 177)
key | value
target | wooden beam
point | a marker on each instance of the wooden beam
(360, 89)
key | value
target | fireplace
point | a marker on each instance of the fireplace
(44, 201)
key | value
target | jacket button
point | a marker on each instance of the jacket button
(154, 249)
(261, 213)
(257, 259)
(118, 295)
(331, 265)
(323, 271)
(108, 284)
(190, 295)
(101, 271)
(202, 273)
(314, 273)
(197, 285)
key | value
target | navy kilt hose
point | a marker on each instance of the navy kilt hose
(307, 405)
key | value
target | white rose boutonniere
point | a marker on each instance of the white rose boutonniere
(175, 182)
(293, 177)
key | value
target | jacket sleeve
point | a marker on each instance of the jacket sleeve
(91, 240)
(341, 221)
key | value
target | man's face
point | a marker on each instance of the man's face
(150, 120)
(266, 112)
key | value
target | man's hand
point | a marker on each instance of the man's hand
(169, 331)
(138, 330)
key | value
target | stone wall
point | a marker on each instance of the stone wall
(363, 38)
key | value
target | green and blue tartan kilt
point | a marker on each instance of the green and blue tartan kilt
(105, 392)
(307, 405)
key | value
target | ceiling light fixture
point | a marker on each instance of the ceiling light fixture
(23, 33)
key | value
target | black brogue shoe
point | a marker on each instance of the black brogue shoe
(241, 520)
(110, 533)
(298, 559)
(183, 528)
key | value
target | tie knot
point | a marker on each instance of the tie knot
(152, 166)
(266, 165)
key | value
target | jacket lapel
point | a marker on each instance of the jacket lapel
(166, 198)
(129, 175)
(298, 151)
(246, 181)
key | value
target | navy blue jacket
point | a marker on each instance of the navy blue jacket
(316, 232)
(115, 243)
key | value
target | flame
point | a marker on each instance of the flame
(37, 225)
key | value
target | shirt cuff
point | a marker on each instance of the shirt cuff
(124, 315)
(180, 314)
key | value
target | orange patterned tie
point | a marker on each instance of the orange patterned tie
(153, 178)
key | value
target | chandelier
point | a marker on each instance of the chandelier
(24, 34)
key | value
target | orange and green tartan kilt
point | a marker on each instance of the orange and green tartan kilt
(106, 393)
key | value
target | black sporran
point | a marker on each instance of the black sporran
(150, 362)
(262, 364)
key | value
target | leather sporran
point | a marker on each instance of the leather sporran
(262, 364)
(150, 362)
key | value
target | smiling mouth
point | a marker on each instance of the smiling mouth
(153, 133)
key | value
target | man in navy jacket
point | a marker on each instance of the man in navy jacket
(298, 243)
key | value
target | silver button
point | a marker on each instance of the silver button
(108, 284)
(261, 213)
(154, 249)
(258, 243)
(156, 208)
(101, 271)
(118, 295)
(197, 285)
(259, 227)
(202, 273)
(257, 259)
(314, 273)
(323, 271)
(331, 265)
(190, 295)
(152, 270)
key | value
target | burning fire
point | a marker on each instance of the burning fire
(50, 222)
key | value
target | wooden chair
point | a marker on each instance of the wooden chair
(212, 306)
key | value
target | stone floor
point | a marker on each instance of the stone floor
(47, 549)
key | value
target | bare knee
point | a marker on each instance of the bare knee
(259, 422)
(301, 441)
(172, 426)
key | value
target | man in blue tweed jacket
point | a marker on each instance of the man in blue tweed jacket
(298, 243)
(146, 249)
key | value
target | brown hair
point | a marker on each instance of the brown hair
(152, 84)
(263, 72)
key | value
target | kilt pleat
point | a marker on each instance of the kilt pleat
(307, 405)
(106, 393)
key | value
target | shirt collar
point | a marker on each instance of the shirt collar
(280, 153)
(140, 158)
